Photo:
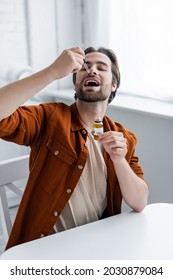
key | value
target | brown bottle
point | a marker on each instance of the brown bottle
(98, 127)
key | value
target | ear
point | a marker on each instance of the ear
(114, 86)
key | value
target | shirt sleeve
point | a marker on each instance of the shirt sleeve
(131, 156)
(26, 124)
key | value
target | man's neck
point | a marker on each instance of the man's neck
(88, 111)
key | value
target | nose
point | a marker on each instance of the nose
(93, 70)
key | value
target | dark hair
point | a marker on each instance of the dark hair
(115, 67)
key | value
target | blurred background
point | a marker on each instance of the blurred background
(34, 32)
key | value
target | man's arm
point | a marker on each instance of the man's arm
(15, 94)
(134, 189)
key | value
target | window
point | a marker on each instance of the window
(141, 35)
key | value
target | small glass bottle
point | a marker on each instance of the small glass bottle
(98, 128)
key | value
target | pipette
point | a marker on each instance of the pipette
(86, 66)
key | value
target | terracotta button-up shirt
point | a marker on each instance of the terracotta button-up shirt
(58, 155)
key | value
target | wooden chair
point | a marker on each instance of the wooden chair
(11, 172)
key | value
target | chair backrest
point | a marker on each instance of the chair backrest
(11, 172)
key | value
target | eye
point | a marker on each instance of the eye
(102, 68)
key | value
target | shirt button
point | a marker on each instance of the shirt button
(84, 131)
(56, 153)
(68, 190)
(55, 213)
(42, 235)
(80, 166)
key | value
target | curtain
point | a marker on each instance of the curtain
(145, 45)
(96, 22)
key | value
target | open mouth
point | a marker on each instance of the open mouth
(91, 82)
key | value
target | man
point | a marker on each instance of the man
(73, 179)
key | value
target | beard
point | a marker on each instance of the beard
(91, 95)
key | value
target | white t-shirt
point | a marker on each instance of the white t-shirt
(88, 200)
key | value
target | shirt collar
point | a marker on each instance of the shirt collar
(76, 124)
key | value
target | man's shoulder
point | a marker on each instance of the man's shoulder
(126, 132)
(48, 107)
(121, 128)
(54, 105)
(43, 110)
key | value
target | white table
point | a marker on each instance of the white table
(146, 235)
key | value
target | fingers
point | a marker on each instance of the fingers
(114, 143)
(70, 60)
(78, 50)
(75, 56)
(112, 137)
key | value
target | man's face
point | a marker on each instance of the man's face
(96, 85)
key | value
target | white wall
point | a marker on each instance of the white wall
(154, 148)
(42, 32)
(13, 43)
(33, 33)
(69, 29)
